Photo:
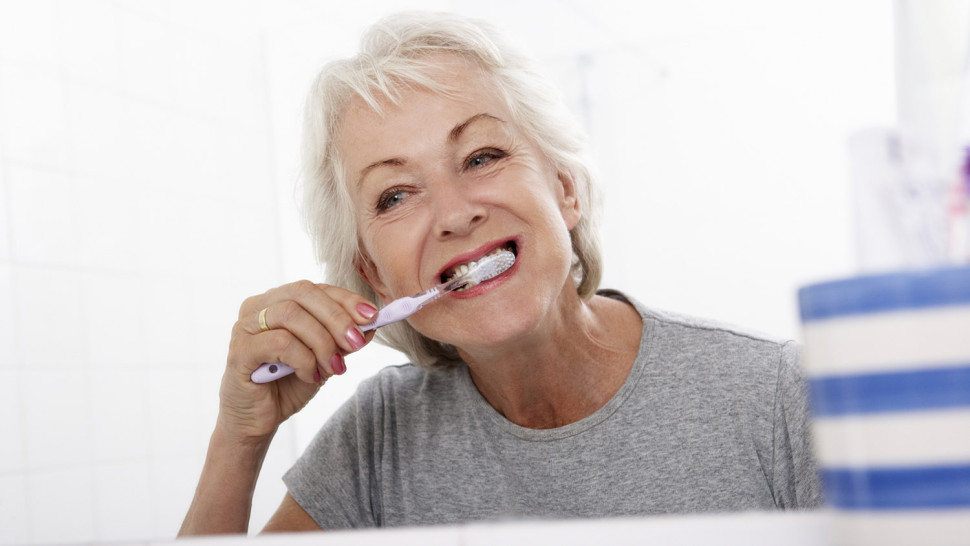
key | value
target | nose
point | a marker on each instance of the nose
(457, 211)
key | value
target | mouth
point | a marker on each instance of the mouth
(458, 269)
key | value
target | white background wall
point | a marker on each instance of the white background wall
(147, 156)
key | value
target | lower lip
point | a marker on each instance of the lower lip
(483, 287)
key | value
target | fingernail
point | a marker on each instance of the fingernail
(355, 338)
(316, 376)
(338, 365)
(366, 310)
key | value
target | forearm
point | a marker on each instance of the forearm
(223, 498)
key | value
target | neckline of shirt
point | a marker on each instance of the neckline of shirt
(588, 422)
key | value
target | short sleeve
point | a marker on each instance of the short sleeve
(332, 479)
(795, 480)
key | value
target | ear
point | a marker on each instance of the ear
(366, 269)
(569, 201)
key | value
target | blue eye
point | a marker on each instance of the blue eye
(484, 157)
(479, 160)
(390, 198)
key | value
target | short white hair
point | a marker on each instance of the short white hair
(395, 54)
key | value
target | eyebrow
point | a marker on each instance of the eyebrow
(455, 133)
(392, 162)
(453, 136)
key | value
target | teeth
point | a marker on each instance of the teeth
(466, 267)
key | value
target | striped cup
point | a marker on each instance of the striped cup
(887, 359)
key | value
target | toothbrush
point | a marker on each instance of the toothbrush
(488, 267)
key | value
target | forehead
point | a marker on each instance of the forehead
(419, 113)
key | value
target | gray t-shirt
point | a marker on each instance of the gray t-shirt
(710, 419)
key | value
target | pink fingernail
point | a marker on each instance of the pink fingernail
(355, 338)
(316, 376)
(338, 365)
(366, 310)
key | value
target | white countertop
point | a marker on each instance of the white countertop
(747, 529)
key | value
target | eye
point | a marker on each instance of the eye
(390, 198)
(483, 157)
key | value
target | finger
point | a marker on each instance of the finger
(359, 308)
(364, 310)
(333, 331)
(334, 308)
(290, 291)
(292, 317)
(278, 346)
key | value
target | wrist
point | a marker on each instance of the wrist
(229, 441)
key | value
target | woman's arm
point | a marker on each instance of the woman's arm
(290, 516)
(308, 326)
(224, 497)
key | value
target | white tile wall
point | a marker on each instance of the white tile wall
(4, 236)
(133, 152)
(123, 501)
(34, 113)
(43, 216)
(14, 511)
(28, 31)
(12, 457)
(107, 235)
(61, 505)
(173, 480)
(49, 323)
(168, 341)
(148, 157)
(165, 224)
(8, 347)
(56, 410)
(95, 127)
(222, 20)
(219, 300)
(119, 409)
(88, 35)
(157, 9)
(111, 326)
(182, 405)
(146, 57)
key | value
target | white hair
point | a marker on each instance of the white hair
(396, 54)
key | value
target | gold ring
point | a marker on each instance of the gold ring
(262, 320)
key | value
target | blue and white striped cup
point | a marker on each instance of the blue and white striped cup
(887, 359)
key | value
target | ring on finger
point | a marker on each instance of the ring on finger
(262, 320)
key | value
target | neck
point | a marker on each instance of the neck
(566, 369)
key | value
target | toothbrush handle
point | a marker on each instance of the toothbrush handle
(270, 372)
(398, 309)
(402, 308)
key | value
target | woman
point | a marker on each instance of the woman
(530, 395)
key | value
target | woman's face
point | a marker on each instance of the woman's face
(439, 181)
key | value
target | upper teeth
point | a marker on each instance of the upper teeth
(466, 267)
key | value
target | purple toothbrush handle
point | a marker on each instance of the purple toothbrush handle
(270, 372)
(396, 310)
(402, 308)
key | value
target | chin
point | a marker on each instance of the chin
(492, 332)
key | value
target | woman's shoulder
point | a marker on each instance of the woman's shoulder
(684, 343)
(692, 325)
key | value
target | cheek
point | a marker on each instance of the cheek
(393, 249)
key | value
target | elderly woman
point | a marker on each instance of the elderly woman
(530, 395)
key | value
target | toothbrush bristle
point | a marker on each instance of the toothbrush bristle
(491, 266)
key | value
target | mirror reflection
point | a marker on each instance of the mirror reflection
(153, 243)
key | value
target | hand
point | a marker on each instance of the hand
(310, 327)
